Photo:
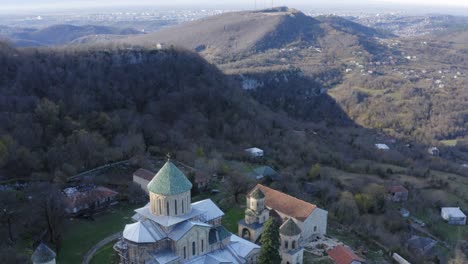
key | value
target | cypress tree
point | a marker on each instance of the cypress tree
(270, 240)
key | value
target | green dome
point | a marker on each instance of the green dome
(289, 228)
(169, 181)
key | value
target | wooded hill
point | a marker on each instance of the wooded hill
(65, 110)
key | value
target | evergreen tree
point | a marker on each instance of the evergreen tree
(270, 241)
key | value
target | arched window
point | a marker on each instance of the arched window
(185, 252)
(286, 244)
(175, 206)
(159, 204)
(167, 207)
(202, 246)
(293, 244)
(193, 248)
(182, 206)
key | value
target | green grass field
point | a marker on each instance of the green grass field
(81, 235)
(232, 217)
(105, 255)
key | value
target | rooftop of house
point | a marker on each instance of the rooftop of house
(43, 254)
(169, 180)
(453, 211)
(343, 255)
(254, 150)
(382, 146)
(397, 189)
(421, 243)
(79, 198)
(144, 174)
(286, 204)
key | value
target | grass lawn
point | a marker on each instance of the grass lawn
(81, 235)
(232, 217)
(106, 255)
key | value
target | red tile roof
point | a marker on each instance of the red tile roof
(343, 255)
(144, 174)
(286, 204)
(80, 199)
(397, 189)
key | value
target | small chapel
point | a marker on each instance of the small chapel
(299, 220)
(171, 229)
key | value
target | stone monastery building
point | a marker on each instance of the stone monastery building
(300, 220)
(172, 229)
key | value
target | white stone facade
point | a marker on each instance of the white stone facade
(174, 205)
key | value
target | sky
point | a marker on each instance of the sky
(22, 5)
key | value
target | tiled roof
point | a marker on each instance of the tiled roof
(397, 189)
(286, 204)
(343, 255)
(289, 228)
(43, 254)
(144, 174)
(169, 181)
(81, 199)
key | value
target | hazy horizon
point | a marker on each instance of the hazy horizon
(20, 6)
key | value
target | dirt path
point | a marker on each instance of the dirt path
(90, 254)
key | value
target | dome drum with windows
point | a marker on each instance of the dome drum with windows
(170, 192)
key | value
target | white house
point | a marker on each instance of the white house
(254, 152)
(382, 146)
(453, 215)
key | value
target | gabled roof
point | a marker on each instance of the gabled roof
(343, 255)
(421, 243)
(43, 254)
(144, 174)
(453, 212)
(210, 209)
(241, 246)
(137, 233)
(169, 181)
(80, 199)
(289, 228)
(286, 204)
(254, 150)
(181, 229)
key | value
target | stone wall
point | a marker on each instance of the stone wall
(174, 205)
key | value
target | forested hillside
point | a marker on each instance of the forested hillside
(67, 110)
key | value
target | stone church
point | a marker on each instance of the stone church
(299, 220)
(172, 229)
